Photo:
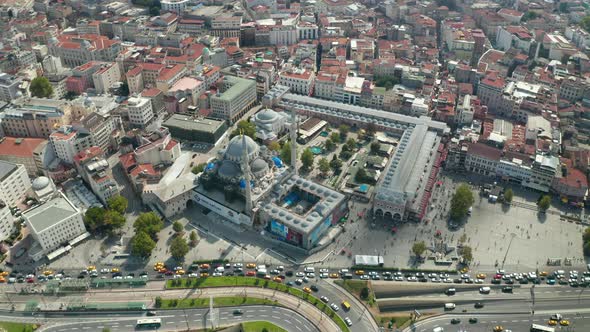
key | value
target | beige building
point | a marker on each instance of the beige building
(31, 120)
(14, 183)
(106, 77)
(234, 99)
(26, 151)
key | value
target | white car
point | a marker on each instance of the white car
(334, 307)
(364, 277)
(298, 281)
(324, 275)
(275, 272)
(238, 265)
(348, 321)
(398, 278)
(448, 281)
(479, 281)
(435, 280)
(280, 268)
(217, 274)
(193, 275)
(310, 275)
(305, 279)
(324, 271)
(412, 279)
(373, 273)
(300, 274)
(324, 299)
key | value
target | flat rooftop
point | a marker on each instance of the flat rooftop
(238, 87)
(188, 122)
(50, 213)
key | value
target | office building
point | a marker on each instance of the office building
(233, 99)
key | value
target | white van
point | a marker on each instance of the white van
(438, 329)
(449, 306)
(485, 290)
(309, 269)
(220, 269)
(260, 267)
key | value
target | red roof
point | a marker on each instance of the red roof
(89, 153)
(24, 148)
(127, 160)
(151, 92)
(486, 151)
(170, 144)
(144, 168)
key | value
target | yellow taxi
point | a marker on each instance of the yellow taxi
(498, 328)
(91, 268)
(564, 322)
(251, 266)
(204, 266)
(464, 270)
(180, 272)
(307, 289)
(277, 279)
(2, 280)
(334, 275)
(115, 270)
(359, 272)
(204, 274)
(543, 274)
(158, 266)
(47, 272)
(481, 276)
(552, 322)
(4, 274)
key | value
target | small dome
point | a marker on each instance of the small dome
(258, 166)
(40, 183)
(266, 115)
(229, 169)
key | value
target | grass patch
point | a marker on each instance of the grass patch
(356, 288)
(256, 282)
(18, 327)
(398, 322)
(259, 326)
(218, 302)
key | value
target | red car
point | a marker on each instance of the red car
(30, 280)
(250, 274)
(169, 273)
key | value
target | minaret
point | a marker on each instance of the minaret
(294, 142)
(246, 171)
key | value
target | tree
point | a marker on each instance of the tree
(113, 221)
(40, 87)
(586, 235)
(364, 293)
(351, 144)
(179, 248)
(199, 168)
(245, 127)
(118, 203)
(158, 302)
(71, 95)
(508, 195)
(324, 166)
(142, 244)
(286, 152)
(585, 23)
(329, 145)
(274, 146)
(467, 253)
(343, 129)
(336, 164)
(94, 218)
(194, 238)
(154, 11)
(149, 223)
(544, 203)
(531, 16)
(177, 227)
(307, 158)
(419, 248)
(461, 202)
(375, 147)
(123, 89)
(335, 137)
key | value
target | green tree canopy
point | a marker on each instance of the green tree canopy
(585, 23)
(118, 203)
(40, 87)
(246, 127)
(177, 226)
(419, 248)
(179, 248)
(123, 89)
(351, 144)
(307, 158)
(461, 202)
(586, 235)
(336, 164)
(467, 253)
(329, 145)
(113, 221)
(286, 153)
(344, 130)
(530, 15)
(544, 203)
(335, 137)
(194, 238)
(375, 146)
(274, 146)
(94, 218)
(324, 166)
(364, 293)
(198, 168)
(149, 223)
(142, 244)
(508, 195)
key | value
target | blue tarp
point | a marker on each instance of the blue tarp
(210, 166)
(243, 183)
(278, 162)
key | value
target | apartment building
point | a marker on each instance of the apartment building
(104, 129)
(9, 87)
(31, 120)
(482, 159)
(170, 75)
(14, 183)
(226, 26)
(26, 151)
(234, 98)
(300, 81)
(514, 37)
(67, 142)
(106, 77)
(76, 50)
(95, 170)
(140, 111)
(6, 221)
(176, 6)
(490, 90)
(53, 224)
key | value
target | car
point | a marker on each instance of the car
(398, 278)
(300, 274)
(457, 280)
(324, 275)
(448, 281)
(564, 322)
(481, 276)
(543, 274)
(334, 275)
(151, 313)
(290, 283)
(238, 265)
(550, 281)
(180, 272)
(509, 282)
(496, 281)
(485, 290)
(556, 317)
(334, 306)
(289, 273)
(348, 321)
(412, 279)
(498, 328)
(367, 278)
(376, 277)
(552, 322)
(251, 266)
(359, 272)
(204, 274)
(314, 288)
(507, 289)
(115, 270)
(479, 281)
(450, 291)
(307, 289)
(473, 320)
(267, 277)
(277, 279)
(324, 299)
(305, 279)
(324, 271)
(238, 312)
(478, 305)
(455, 321)
(298, 281)
(310, 275)
(275, 272)
(250, 273)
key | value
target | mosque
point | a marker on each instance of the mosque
(250, 185)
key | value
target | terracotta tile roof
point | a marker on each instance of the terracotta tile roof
(171, 144)
(24, 147)
(134, 71)
(152, 92)
(89, 153)
(486, 151)
(168, 73)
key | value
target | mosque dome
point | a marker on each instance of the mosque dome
(235, 147)
(259, 166)
(229, 169)
(266, 115)
(40, 183)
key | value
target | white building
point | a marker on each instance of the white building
(53, 224)
(67, 142)
(234, 99)
(176, 6)
(9, 87)
(513, 36)
(6, 221)
(14, 183)
(140, 111)
(270, 124)
(299, 80)
(106, 77)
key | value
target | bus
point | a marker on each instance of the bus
(149, 323)
(541, 328)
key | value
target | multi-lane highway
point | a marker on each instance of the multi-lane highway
(175, 320)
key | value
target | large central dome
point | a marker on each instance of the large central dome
(235, 148)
